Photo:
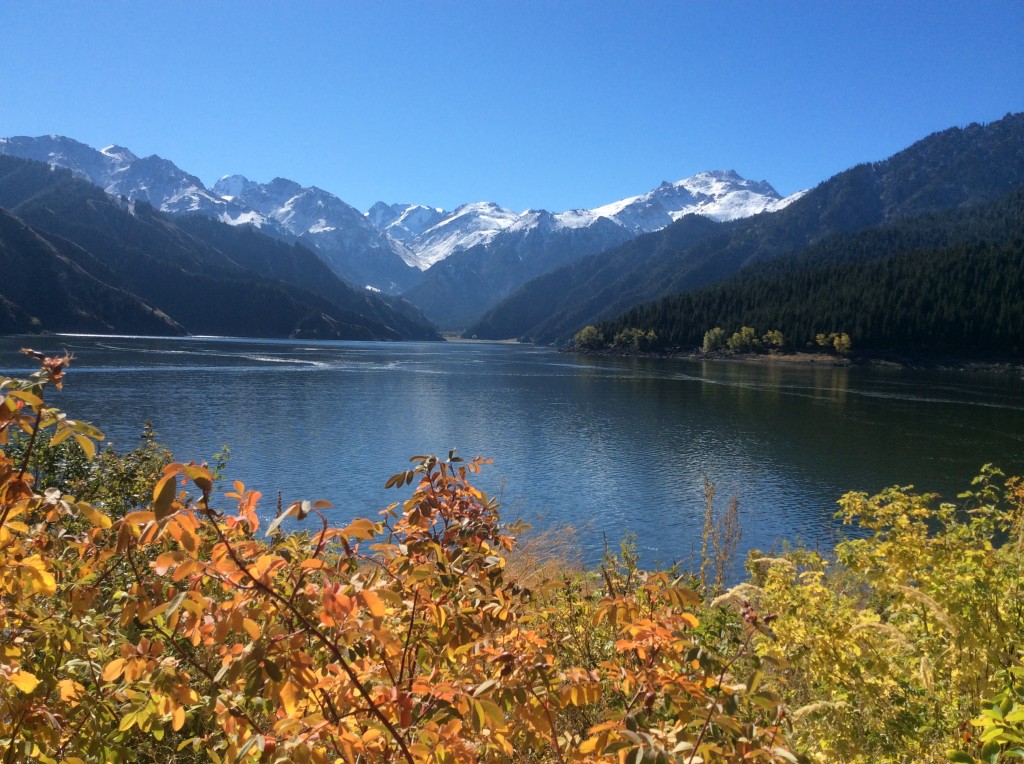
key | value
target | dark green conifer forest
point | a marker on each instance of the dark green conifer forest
(940, 283)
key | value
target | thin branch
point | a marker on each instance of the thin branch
(721, 678)
(322, 638)
(408, 639)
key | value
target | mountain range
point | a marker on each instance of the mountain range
(402, 248)
(137, 244)
(78, 259)
(955, 168)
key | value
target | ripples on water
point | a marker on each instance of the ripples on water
(607, 445)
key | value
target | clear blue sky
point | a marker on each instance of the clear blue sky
(555, 104)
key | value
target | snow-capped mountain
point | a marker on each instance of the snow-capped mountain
(468, 226)
(392, 246)
(344, 237)
(353, 247)
(720, 195)
(404, 221)
(434, 235)
(119, 172)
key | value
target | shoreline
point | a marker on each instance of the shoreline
(821, 359)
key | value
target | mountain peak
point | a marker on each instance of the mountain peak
(119, 153)
(729, 175)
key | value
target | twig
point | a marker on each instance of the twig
(322, 638)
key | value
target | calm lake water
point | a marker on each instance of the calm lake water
(606, 445)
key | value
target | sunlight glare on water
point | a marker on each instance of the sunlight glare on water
(604, 444)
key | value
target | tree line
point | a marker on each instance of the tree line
(940, 284)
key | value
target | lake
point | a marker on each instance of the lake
(605, 445)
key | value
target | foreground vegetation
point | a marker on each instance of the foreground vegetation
(144, 621)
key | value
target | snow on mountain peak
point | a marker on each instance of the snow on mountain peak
(404, 221)
(118, 153)
(465, 227)
(231, 187)
(717, 194)
(417, 234)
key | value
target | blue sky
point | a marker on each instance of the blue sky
(552, 105)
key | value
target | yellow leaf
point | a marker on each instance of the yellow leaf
(24, 681)
(128, 721)
(200, 476)
(87, 446)
(251, 628)
(60, 436)
(290, 693)
(93, 515)
(44, 580)
(23, 395)
(178, 718)
(163, 495)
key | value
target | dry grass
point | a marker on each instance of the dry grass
(719, 539)
(545, 557)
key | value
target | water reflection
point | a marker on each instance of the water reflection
(604, 444)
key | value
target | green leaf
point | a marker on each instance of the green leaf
(273, 670)
(960, 757)
(990, 752)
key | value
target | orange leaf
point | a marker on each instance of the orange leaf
(251, 628)
(374, 603)
(69, 690)
(113, 670)
(139, 518)
(361, 529)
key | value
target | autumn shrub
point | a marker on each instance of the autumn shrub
(165, 625)
(893, 645)
(145, 620)
(999, 728)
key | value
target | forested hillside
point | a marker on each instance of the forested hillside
(941, 283)
(951, 169)
(122, 267)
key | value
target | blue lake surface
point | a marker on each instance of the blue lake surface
(605, 445)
